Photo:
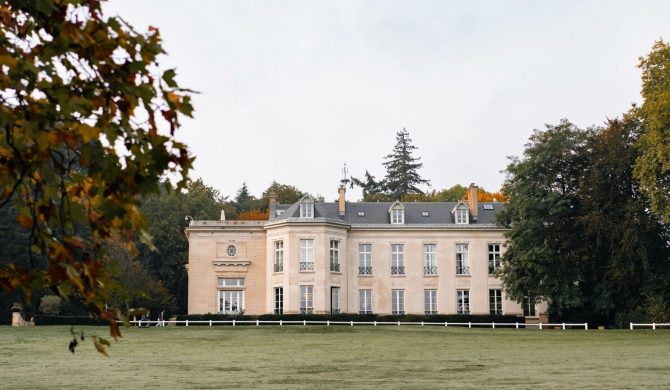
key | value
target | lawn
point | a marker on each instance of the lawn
(337, 357)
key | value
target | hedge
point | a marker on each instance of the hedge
(354, 317)
(68, 320)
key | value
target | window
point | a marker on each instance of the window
(231, 301)
(425, 214)
(462, 215)
(232, 251)
(397, 216)
(429, 259)
(279, 300)
(361, 213)
(307, 208)
(488, 206)
(306, 299)
(430, 301)
(528, 308)
(279, 256)
(365, 301)
(306, 255)
(463, 301)
(494, 258)
(365, 259)
(462, 265)
(334, 256)
(397, 301)
(495, 302)
(397, 259)
(280, 212)
(334, 300)
(231, 282)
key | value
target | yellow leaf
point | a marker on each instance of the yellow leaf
(99, 345)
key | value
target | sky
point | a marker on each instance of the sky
(292, 90)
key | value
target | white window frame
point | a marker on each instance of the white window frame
(430, 259)
(430, 301)
(397, 301)
(279, 256)
(279, 300)
(231, 301)
(365, 301)
(306, 299)
(462, 301)
(495, 301)
(397, 259)
(365, 259)
(307, 209)
(334, 256)
(462, 260)
(462, 215)
(335, 299)
(494, 257)
(230, 282)
(306, 254)
(397, 216)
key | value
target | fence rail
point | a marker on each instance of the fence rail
(653, 325)
(493, 325)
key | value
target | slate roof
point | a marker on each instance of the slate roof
(376, 213)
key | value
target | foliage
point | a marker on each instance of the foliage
(581, 235)
(286, 194)
(50, 304)
(402, 176)
(254, 215)
(81, 118)
(372, 188)
(243, 200)
(652, 167)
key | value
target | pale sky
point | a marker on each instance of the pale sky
(292, 90)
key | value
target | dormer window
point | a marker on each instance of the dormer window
(306, 207)
(397, 214)
(462, 214)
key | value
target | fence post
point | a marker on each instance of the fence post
(186, 322)
(421, 323)
(352, 323)
(469, 324)
(210, 322)
(375, 323)
(257, 322)
(445, 324)
(233, 322)
(653, 325)
(304, 322)
(517, 325)
(540, 326)
(631, 326)
(493, 324)
(280, 322)
(564, 326)
(398, 323)
(327, 322)
(586, 326)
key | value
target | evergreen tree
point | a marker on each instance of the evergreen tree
(372, 189)
(402, 176)
(243, 200)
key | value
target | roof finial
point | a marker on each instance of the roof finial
(345, 171)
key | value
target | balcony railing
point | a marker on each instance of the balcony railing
(462, 269)
(365, 312)
(365, 270)
(429, 312)
(306, 266)
(430, 270)
(279, 267)
(306, 310)
(462, 310)
(493, 268)
(335, 311)
(335, 267)
(398, 312)
(397, 270)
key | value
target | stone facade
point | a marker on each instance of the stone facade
(315, 261)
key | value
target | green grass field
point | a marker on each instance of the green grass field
(337, 357)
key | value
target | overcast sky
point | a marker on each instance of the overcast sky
(292, 90)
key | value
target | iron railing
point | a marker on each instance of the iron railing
(306, 266)
(397, 270)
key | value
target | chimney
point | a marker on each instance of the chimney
(472, 200)
(341, 200)
(272, 197)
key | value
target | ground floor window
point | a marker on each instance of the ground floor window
(279, 300)
(365, 301)
(306, 299)
(398, 301)
(495, 302)
(463, 301)
(231, 301)
(334, 300)
(528, 308)
(430, 301)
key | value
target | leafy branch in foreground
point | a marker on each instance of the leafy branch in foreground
(87, 125)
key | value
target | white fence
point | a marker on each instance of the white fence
(493, 325)
(653, 326)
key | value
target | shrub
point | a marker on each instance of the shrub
(50, 304)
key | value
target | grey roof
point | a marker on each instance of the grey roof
(377, 213)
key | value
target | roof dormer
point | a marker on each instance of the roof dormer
(306, 206)
(461, 213)
(397, 213)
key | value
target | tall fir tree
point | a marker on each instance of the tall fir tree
(402, 169)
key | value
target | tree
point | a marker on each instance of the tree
(402, 176)
(286, 194)
(372, 189)
(545, 252)
(81, 118)
(243, 200)
(652, 167)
